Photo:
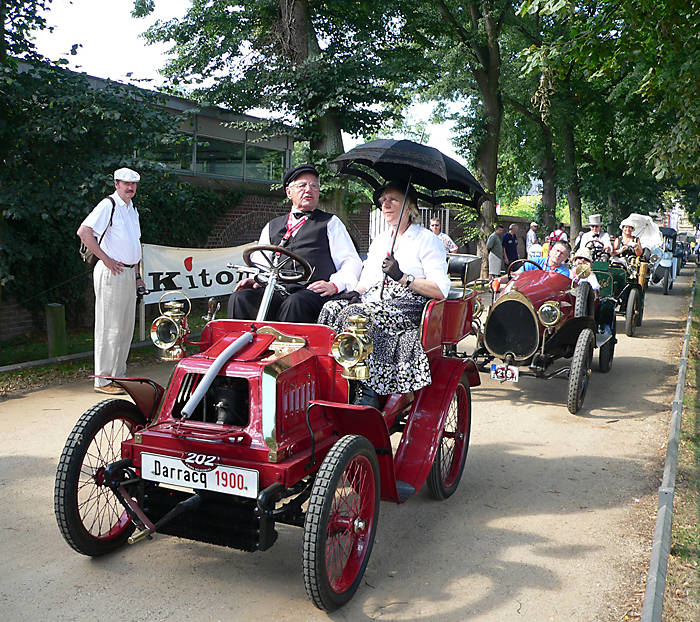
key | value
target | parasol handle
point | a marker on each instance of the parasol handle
(396, 232)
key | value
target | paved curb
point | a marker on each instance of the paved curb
(661, 546)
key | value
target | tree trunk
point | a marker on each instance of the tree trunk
(549, 191)
(573, 191)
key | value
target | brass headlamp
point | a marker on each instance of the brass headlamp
(169, 330)
(351, 347)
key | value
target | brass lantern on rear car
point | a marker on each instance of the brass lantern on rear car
(169, 330)
(351, 347)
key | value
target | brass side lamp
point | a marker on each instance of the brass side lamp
(351, 347)
(169, 330)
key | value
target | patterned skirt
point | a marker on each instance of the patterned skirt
(398, 363)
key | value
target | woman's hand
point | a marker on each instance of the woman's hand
(390, 267)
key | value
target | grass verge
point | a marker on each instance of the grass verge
(682, 596)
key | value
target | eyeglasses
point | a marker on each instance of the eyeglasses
(303, 185)
(435, 225)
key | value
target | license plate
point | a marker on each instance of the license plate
(505, 373)
(221, 478)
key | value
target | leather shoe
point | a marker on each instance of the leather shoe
(110, 389)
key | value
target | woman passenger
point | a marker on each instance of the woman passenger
(626, 240)
(414, 274)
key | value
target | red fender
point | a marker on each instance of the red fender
(368, 422)
(421, 437)
(147, 395)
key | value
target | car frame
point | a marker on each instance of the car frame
(257, 430)
(540, 318)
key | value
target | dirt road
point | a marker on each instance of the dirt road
(553, 519)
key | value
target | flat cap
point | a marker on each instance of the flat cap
(293, 173)
(126, 174)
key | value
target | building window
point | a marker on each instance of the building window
(263, 164)
(219, 157)
(177, 157)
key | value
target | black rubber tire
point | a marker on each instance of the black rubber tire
(451, 455)
(640, 315)
(330, 515)
(580, 370)
(90, 517)
(667, 280)
(585, 304)
(631, 312)
(606, 352)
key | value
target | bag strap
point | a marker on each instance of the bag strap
(99, 242)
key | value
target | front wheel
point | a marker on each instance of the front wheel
(89, 515)
(451, 455)
(580, 371)
(667, 280)
(631, 312)
(607, 350)
(341, 522)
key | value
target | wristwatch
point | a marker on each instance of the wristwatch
(409, 279)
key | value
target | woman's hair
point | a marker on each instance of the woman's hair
(411, 198)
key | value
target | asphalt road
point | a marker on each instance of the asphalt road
(545, 524)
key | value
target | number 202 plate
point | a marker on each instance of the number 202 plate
(222, 478)
(505, 373)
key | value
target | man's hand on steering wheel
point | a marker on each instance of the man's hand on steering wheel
(246, 283)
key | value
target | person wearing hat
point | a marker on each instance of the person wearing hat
(113, 233)
(531, 237)
(393, 291)
(317, 236)
(583, 257)
(595, 222)
(627, 242)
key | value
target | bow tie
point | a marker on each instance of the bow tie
(299, 215)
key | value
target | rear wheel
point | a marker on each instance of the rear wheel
(89, 515)
(631, 312)
(607, 350)
(580, 370)
(451, 455)
(341, 522)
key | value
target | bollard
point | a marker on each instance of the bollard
(56, 329)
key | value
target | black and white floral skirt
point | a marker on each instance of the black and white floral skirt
(398, 363)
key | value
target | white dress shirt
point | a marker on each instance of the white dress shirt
(418, 251)
(603, 237)
(347, 262)
(122, 241)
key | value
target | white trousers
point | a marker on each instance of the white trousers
(115, 313)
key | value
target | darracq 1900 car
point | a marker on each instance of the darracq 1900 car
(257, 430)
(540, 317)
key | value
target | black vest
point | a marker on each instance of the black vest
(310, 242)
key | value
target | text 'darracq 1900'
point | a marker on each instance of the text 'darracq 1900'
(222, 478)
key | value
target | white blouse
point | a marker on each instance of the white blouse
(418, 251)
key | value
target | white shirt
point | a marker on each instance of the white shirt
(447, 242)
(603, 237)
(530, 239)
(345, 258)
(591, 278)
(122, 241)
(418, 251)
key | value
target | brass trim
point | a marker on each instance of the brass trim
(553, 303)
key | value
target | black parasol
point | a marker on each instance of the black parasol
(401, 160)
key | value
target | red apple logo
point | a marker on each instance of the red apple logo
(188, 263)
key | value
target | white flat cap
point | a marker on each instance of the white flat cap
(126, 174)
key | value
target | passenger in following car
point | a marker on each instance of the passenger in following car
(413, 274)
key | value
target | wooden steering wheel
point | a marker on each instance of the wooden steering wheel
(286, 265)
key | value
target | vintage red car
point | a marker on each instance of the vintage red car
(255, 430)
(540, 317)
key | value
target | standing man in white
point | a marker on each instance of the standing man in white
(115, 222)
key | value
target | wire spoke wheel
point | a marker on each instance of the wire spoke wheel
(631, 312)
(448, 465)
(341, 522)
(580, 371)
(89, 515)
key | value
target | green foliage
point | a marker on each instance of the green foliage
(20, 18)
(63, 141)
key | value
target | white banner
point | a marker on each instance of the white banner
(199, 272)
